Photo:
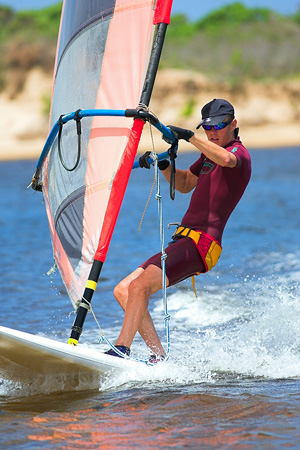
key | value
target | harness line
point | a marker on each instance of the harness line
(163, 258)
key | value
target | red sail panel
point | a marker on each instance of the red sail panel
(118, 190)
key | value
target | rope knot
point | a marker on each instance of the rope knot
(82, 304)
(154, 156)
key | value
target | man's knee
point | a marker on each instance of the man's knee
(121, 290)
(147, 283)
(121, 294)
(138, 287)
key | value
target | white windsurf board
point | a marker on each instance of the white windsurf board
(24, 355)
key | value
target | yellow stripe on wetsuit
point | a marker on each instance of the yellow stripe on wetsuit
(212, 255)
(188, 232)
(214, 251)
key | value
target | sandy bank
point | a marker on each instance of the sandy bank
(268, 114)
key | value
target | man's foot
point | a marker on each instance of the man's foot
(154, 359)
(122, 348)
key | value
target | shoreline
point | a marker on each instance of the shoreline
(31, 154)
(259, 109)
(254, 140)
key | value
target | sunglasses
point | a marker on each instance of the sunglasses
(220, 126)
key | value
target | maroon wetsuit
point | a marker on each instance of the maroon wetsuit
(215, 196)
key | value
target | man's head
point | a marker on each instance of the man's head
(218, 121)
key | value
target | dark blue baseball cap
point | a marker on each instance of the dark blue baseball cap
(215, 112)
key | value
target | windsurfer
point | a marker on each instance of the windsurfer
(219, 178)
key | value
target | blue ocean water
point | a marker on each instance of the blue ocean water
(233, 376)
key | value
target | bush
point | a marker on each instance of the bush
(234, 15)
(27, 39)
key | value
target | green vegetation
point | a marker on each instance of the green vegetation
(235, 14)
(189, 108)
(27, 39)
(46, 101)
(30, 25)
(235, 43)
(232, 43)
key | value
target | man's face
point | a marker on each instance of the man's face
(222, 137)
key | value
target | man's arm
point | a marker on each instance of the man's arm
(214, 152)
(185, 180)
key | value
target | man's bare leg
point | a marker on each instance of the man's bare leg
(133, 295)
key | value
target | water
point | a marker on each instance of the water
(232, 381)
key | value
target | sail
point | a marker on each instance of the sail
(101, 63)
